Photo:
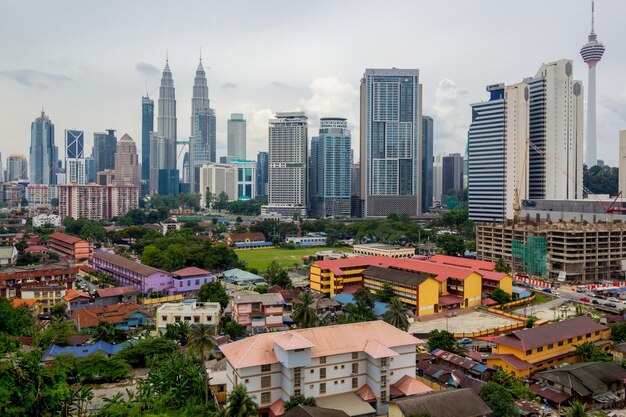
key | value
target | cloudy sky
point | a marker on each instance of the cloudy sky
(88, 63)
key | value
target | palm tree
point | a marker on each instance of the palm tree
(396, 315)
(586, 350)
(577, 409)
(240, 404)
(303, 314)
(81, 397)
(200, 342)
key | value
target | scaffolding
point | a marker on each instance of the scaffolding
(532, 254)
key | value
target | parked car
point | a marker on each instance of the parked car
(595, 302)
(465, 341)
(612, 305)
(613, 299)
(585, 299)
(548, 290)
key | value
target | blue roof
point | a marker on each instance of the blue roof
(380, 308)
(480, 368)
(83, 351)
(253, 244)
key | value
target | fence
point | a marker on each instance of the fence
(493, 331)
(151, 301)
(433, 385)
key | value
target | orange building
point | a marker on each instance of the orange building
(69, 247)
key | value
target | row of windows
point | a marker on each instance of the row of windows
(560, 343)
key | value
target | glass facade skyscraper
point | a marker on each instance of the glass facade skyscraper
(43, 152)
(75, 165)
(202, 143)
(104, 148)
(236, 135)
(262, 174)
(427, 163)
(147, 126)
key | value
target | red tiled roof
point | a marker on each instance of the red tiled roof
(65, 238)
(410, 386)
(35, 248)
(73, 294)
(489, 302)
(242, 237)
(446, 300)
(557, 397)
(464, 262)
(190, 271)
(512, 360)
(113, 313)
(528, 339)
(336, 266)
(18, 302)
(366, 393)
(115, 291)
(86, 268)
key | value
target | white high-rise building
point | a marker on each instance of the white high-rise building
(217, 178)
(498, 173)
(75, 164)
(556, 133)
(236, 136)
(288, 155)
(438, 175)
(622, 162)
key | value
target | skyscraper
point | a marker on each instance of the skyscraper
(75, 167)
(288, 149)
(391, 151)
(202, 143)
(104, 146)
(147, 126)
(43, 152)
(236, 135)
(427, 162)
(262, 174)
(331, 159)
(126, 162)
(166, 119)
(622, 162)
(498, 153)
(556, 133)
(592, 54)
(17, 168)
(451, 175)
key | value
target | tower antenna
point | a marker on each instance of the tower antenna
(592, 15)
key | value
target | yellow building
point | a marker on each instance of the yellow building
(527, 351)
(330, 277)
(46, 296)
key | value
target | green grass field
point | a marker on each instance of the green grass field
(260, 258)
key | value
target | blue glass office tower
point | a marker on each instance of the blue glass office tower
(391, 151)
(147, 126)
(262, 174)
(427, 163)
(43, 152)
(169, 182)
(104, 148)
(330, 169)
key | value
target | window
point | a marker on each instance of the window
(336, 382)
(588, 335)
(355, 383)
(266, 381)
(529, 352)
(355, 355)
(323, 388)
(343, 366)
(383, 362)
(164, 318)
(311, 371)
(540, 349)
(196, 319)
(197, 282)
(550, 345)
(336, 367)
(297, 376)
(322, 373)
(266, 368)
(177, 319)
(266, 397)
(560, 343)
(570, 340)
(297, 392)
(187, 318)
(579, 338)
(246, 381)
(355, 368)
(322, 360)
(383, 381)
(597, 333)
(383, 397)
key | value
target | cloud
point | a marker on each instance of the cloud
(616, 104)
(278, 84)
(228, 86)
(451, 118)
(332, 97)
(34, 78)
(146, 69)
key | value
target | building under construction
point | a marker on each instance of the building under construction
(567, 251)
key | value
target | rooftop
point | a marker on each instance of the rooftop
(212, 308)
(411, 279)
(113, 313)
(586, 378)
(62, 237)
(190, 272)
(7, 252)
(115, 291)
(126, 263)
(464, 262)
(451, 403)
(308, 411)
(247, 297)
(74, 294)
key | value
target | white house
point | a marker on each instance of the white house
(370, 362)
(43, 219)
(193, 312)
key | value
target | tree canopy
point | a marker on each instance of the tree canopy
(442, 339)
(499, 399)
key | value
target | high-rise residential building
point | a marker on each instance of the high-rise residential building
(236, 136)
(556, 133)
(427, 163)
(356, 208)
(104, 145)
(451, 175)
(288, 149)
(262, 174)
(75, 167)
(437, 177)
(498, 153)
(126, 162)
(592, 54)
(97, 202)
(391, 150)
(43, 152)
(622, 162)
(330, 163)
(217, 178)
(202, 143)
(246, 178)
(17, 167)
(147, 127)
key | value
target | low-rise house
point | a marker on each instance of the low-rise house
(618, 352)
(309, 411)
(8, 255)
(380, 249)
(467, 365)
(103, 347)
(47, 296)
(189, 311)
(122, 316)
(190, 279)
(14, 279)
(69, 247)
(115, 295)
(450, 403)
(379, 309)
(239, 279)
(367, 362)
(169, 225)
(37, 250)
(527, 351)
(257, 311)
(75, 300)
(251, 239)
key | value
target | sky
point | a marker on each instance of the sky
(87, 64)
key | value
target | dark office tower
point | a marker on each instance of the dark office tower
(43, 152)
(262, 173)
(104, 148)
(168, 182)
(356, 208)
(452, 175)
(147, 126)
(427, 162)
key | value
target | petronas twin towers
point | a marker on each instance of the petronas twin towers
(164, 176)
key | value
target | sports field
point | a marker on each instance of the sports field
(287, 258)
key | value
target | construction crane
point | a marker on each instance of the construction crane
(517, 206)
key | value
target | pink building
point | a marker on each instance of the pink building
(255, 311)
(190, 279)
(128, 272)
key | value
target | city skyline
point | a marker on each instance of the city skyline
(61, 79)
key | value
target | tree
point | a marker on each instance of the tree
(601, 179)
(577, 409)
(215, 292)
(15, 321)
(501, 266)
(499, 399)
(296, 400)
(588, 351)
(442, 339)
(500, 296)
(140, 353)
(396, 315)
(618, 332)
(179, 332)
(239, 403)
(108, 333)
(234, 330)
(386, 293)
(276, 275)
(200, 342)
(451, 244)
(57, 311)
(221, 202)
(361, 309)
(303, 314)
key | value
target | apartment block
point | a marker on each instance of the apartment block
(13, 280)
(97, 202)
(190, 311)
(368, 362)
(69, 247)
(256, 311)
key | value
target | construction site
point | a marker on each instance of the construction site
(573, 252)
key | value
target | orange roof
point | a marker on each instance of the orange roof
(464, 262)
(73, 294)
(190, 271)
(18, 302)
(65, 238)
(377, 350)
(330, 340)
(336, 266)
(278, 407)
(112, 313)
(293, 341)
(410, 386)
(366, 393)
(35, 248)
